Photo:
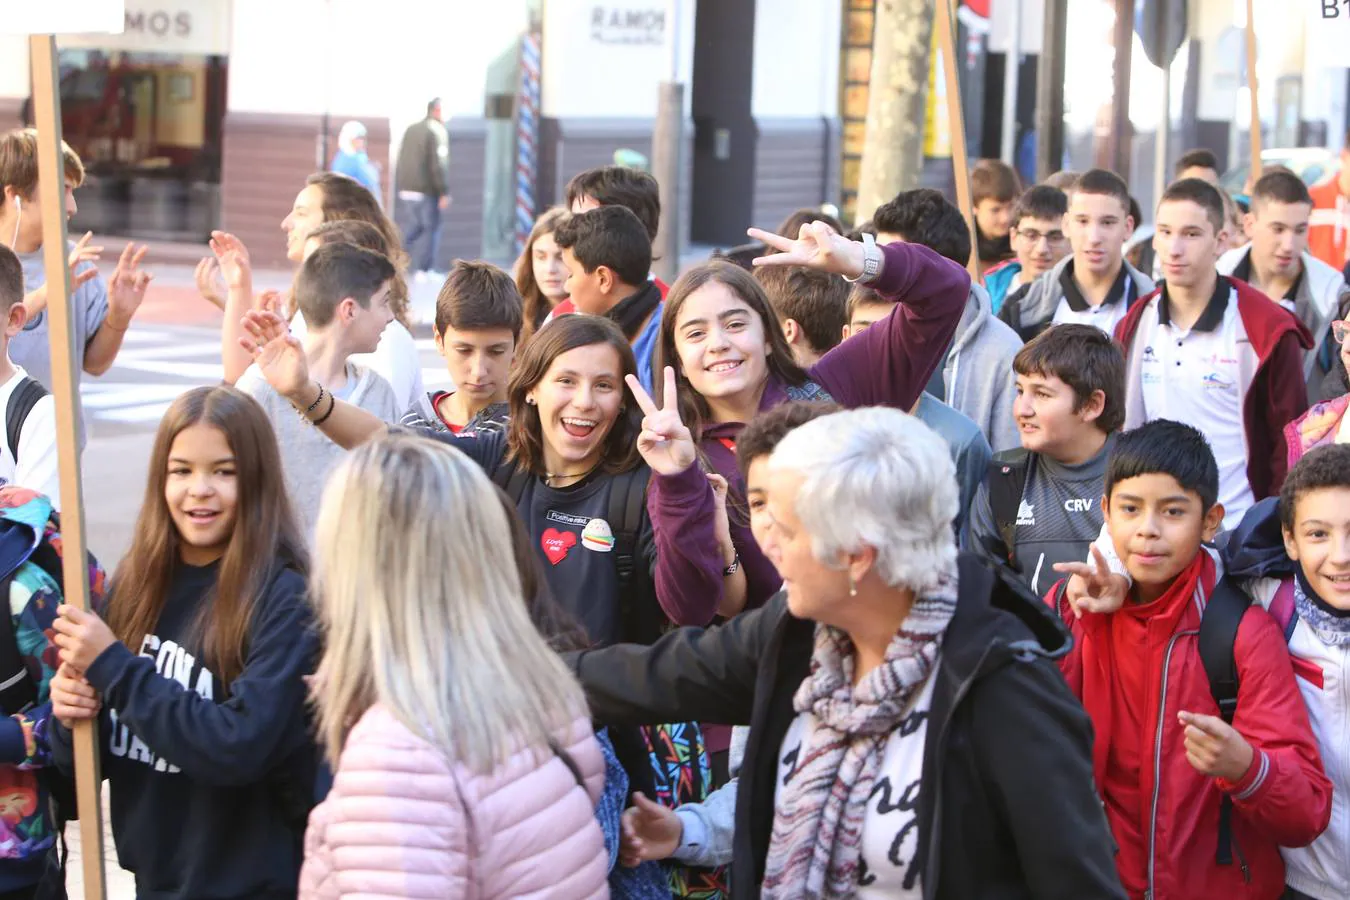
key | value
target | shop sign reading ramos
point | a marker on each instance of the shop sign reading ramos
(167, 26)
(628, 25)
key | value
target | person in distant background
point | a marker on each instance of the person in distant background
(351, 159)
(994, 189)
(1199, 163)
(1329, 228)
(422, 178)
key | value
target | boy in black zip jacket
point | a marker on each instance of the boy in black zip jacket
(1006, 765)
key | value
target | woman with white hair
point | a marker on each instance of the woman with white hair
(910, 734)
(465, 762)
(352, 160)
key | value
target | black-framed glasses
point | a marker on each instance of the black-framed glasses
(1032, 236)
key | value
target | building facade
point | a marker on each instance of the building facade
(210, 113)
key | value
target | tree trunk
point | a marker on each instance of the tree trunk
(892, 156)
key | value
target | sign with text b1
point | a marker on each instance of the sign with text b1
(1334, 10)
(62, 16)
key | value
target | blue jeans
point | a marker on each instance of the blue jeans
(420, 222)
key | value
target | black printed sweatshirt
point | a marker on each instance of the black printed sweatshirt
(209, 792)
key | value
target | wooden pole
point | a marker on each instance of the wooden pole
(65, 389)
(1251, 84)
(961, 165)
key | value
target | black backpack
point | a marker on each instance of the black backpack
(21, 403)
(1006, 479)
(627, 505)
(1218, 632)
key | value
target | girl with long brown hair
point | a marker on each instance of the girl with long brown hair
(540, 273)
(731, 361)
(195, 668)
(575, 461)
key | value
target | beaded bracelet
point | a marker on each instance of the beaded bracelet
(317, 400)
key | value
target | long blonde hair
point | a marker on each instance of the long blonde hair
(422, 609)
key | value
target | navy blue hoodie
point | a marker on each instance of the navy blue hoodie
(209, 790)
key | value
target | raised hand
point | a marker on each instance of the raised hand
(126, 288)
(208, 278)
(1093, 588)
(35, 301)
(721, 521)
(272, 301)
(649, 831)
(665, 442)
(817, 246)
(233, 258)
(278, 355)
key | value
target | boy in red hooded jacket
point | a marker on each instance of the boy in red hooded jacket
(1163, 757)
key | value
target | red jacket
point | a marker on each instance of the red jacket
(1329, 226)
(1283, 800)
(1273, 390)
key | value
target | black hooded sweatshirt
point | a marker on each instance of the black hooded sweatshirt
(1007, 806)
(209, 791)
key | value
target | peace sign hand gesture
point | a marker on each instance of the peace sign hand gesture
(1093, 588)
(665, 442)
(818, 246)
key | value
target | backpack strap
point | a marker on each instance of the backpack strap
(21, 403)
(18, 689)
(1282, 608)
(512, 479)
(1218, 632)
(1007, 479)
(627, 502)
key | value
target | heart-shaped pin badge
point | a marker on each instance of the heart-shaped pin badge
(556, 544)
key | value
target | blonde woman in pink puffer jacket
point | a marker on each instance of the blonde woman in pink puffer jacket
(464, 757)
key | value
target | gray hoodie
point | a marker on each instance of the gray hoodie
(1034, 311)
(977, 374)
(1322, 297)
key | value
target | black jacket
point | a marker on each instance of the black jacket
(1007, 809)
(424, 159)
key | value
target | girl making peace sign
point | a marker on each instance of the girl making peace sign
(731, 361)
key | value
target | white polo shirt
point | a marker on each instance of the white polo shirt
(1192, 376)
(1073, 307)
(33, 463)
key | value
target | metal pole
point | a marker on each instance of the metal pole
(667, 147)
(1050, 90)
(65, 390)
(1011, 71)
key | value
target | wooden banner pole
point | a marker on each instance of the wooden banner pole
(1252, 85)
(65, 388)
(957, 125)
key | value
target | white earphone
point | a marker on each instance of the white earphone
(18, 208)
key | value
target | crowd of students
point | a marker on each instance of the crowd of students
(825, 571)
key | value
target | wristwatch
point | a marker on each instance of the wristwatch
(733, 568)
(872, 258)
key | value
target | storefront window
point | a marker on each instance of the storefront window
(148, 127)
